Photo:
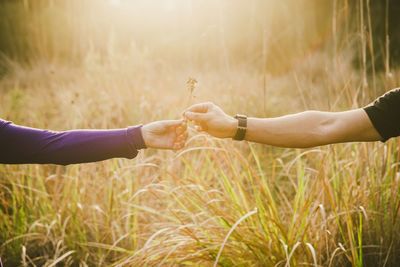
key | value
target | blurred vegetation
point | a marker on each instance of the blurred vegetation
(380, 23)
(177, 32)
(67, 30)
(69, 64)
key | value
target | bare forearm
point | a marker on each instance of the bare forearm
(306, 129)
(296, 130)
(312, 128)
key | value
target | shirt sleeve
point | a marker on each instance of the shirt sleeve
(384, 114)
(19, 144)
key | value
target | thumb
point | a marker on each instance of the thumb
(197, 117)
(172, 123)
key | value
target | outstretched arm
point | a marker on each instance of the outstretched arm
(301, 130)
(20, 144)
(312, 128)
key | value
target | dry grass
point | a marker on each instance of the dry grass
(217, 202)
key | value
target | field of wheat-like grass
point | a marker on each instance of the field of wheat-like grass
(215, 202)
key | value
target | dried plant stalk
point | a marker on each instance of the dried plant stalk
(191, 86)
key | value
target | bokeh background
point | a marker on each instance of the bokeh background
(68, 64)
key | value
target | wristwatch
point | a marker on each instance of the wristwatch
(242, 127)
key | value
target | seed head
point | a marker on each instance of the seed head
(191, 84)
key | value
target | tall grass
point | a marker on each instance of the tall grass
(215, 203)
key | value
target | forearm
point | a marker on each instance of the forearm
(28, 145)
(312, 128)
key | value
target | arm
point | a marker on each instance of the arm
(312, 128)
(306, 129)
(20, 144)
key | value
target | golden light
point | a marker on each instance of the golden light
(195, 33)
(115, 3)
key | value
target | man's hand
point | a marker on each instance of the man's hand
(168, 134)
(212, 119)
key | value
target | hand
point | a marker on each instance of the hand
(168, 134)
(212, 119)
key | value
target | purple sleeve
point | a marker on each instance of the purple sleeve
(20, 144)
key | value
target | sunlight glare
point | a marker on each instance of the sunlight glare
(115, 3)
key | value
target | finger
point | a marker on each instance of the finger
(201, 107)
(172, 123)
(182, 137)
(196, 117)
(177, 146)
(198, 128)
(184, 125)
(181, 145)
(181, 129)
(201, 127)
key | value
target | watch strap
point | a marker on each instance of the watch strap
(242, 127)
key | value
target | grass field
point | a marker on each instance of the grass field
(216, 202)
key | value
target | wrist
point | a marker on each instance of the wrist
(145, 136)
(135, 137)
(232, 127)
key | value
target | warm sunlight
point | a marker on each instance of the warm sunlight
(199, 133)
(208, 32)
(115, 3)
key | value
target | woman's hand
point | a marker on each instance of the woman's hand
(167, 134)
(212, 119)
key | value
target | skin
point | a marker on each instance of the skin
(301, 130)
(167, 134)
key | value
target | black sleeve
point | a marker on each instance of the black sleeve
(384, 114)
